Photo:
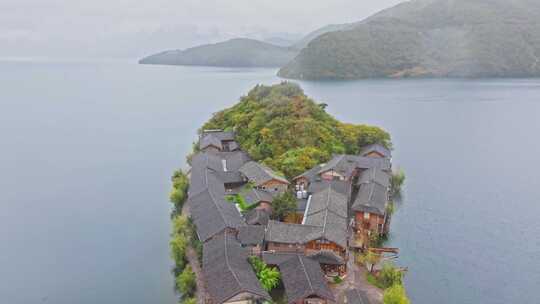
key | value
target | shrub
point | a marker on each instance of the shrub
(396, 182)
(186, 282)
(178, 246)
(178, 195)
(269, 277)
(395, 295)
(283, 205)
(389, 276)
(189, 301)
(337, 280)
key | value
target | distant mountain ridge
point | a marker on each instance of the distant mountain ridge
(429, 38)
(240, 52)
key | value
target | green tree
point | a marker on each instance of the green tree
(189, 301)
(390, 276)
(396, 182)
(178, 246)
(395, 295)
(282, 205)
(178, 194)
(186, 282)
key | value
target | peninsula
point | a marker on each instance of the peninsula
(285, 204)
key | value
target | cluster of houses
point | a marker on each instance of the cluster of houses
(341, 204)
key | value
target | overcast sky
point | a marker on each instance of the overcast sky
(131, 29)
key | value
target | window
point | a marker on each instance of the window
(366, 216)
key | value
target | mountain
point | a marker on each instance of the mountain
(239, 52)
(302, 43)
(430, 38)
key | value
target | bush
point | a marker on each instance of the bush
(395, 295)
(269, 277)
(189, 301)
(178, 195)
(283, 205)
(337, 280)
(186, 282)
(390, 276)
(396, 182)
(178, 252)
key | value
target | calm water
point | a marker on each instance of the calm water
(86, 151)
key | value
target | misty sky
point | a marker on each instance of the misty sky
(131, 29)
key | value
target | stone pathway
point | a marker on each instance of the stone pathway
(356, 278)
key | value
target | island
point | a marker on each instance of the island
(283, 203)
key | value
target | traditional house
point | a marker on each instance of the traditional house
(303, 180)
(252, 238)
(257, 217)
(355, 296)
(218, 141)
(331, 263)
(264, 178)
(340, 167)
(370, 212)
(304, 281)
(374, 175)
(211, 213)
(287, 237)
(257, 198)
(376, 150)
(229, 276)
(224, 165)
(327, 209)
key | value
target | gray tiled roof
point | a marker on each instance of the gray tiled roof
(372, 162)
(343, 164)
(254, 196)
(338, 186)
(355, 296)
(217, 163)
(227, 271)
(288, 233)
(371, 198)
(214, 138)
(327, 257)
(328, 209)
(251, 235)
(260, 174)
(277, 258)
(385, 152)
(257, 217)
(302, 277)
(311, 174)
(210, 211)
(376, 176)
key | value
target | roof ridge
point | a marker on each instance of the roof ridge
(305, 272)
(227, 261)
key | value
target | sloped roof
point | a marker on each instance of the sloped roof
(378, 148)
(214, 138)
(337, 185)
(363, 162)
(343, 164)
(277, 258)
(355, 296)
(310, 174)
(227, 271)
(328, 209)
(257, 217)
(376, 176)
(327, 257)
(288, 233)
(371, 198)
(302, 277)
(210, 212)
(224, 165)
(251, 235)
(260, 174)
(254, 196)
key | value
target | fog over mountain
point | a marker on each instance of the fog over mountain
(119, 28)
(430, 38)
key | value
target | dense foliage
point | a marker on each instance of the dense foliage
(396, 181)
(283, 205)
(186, 282)
(269, 277)
(280, 126)
(178, 194)
(395, 295)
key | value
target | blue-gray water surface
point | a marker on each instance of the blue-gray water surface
(86, 151)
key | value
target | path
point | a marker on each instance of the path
(356, 278)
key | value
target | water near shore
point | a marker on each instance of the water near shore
(87, 150)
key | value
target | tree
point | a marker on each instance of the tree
(178, 194)
(282, 205)
(396, 181)
(186, 282)
(178, 246)
(189, 301)
(395, 295)
(390, 276)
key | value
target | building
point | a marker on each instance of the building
(257, 198)
(291, 238)
(218, 141)
(376, 150)
(264, 178)
(252, 238)
(304, 281)
(370, 212)
(229, 276)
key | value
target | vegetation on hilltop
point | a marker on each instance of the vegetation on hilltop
(283, 128)
(430, 38)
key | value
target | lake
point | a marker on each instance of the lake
(87, 149)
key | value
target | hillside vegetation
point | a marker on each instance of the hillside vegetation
(282, 127)
(231, 53)
(430, 38)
